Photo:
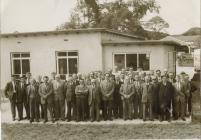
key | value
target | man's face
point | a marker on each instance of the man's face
(137, 77)
(28, 75)
(164, 79)
(57, 78)
(22, 80)
(158, 73)
(107, 76)
(154, 80)
(53, 75)
(178, 79)
(81, 82)
(32, 82)
(74, 76)
(13, 79)
(45, 79)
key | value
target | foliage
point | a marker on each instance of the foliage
(121, 15)
(156, 24)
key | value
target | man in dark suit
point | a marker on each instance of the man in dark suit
(46, 94)
(70, 100)
(117, 99)
(94, 100)
(11, 94)
(165, 98)
(155, 105)
(39, 82)
(107, 89)
(171, 79)
(21, 98)
(137, 98)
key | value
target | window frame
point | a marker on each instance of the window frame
(125, 61)
(19, 58)
(67, 58)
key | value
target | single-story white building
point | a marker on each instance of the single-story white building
(81, 50)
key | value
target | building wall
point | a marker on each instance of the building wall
(42, 52)
(158, 54)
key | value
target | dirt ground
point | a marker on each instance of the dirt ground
(117, 129)
(89, 132)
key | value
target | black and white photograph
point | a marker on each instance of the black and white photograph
(100, 69)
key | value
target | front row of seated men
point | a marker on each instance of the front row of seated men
(101, 96)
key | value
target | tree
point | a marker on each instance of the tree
(156, 24)
(121, 15)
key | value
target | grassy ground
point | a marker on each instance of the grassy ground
(87, 132)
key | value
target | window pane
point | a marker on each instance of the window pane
(72, 54)
(144, 61)
(62, 64)
(72, 63)
(62, 54)
(119, 61)
(131, 61)
(16, 55)
(16, 67)
(25, 54)
(25, 66)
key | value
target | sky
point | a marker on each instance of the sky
(45, 15)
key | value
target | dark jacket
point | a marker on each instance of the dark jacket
(165, 94)
(9, 91)
(21, 92)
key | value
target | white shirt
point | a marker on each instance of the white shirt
(14, 90)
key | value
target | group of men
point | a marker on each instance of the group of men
(97, 95)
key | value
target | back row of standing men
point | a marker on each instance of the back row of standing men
(129, 95)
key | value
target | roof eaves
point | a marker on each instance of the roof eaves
(149, 42)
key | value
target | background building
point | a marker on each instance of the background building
(81, 50)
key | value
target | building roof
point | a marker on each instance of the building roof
(193, 40)
(70, 31)
(142, 42)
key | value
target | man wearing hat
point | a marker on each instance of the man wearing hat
(94, 100)
(11, 93)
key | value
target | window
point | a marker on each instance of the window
(134, 60)
(20, 63)
(67, 63)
